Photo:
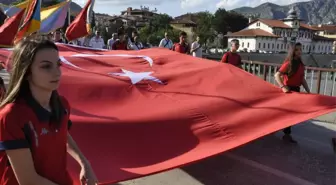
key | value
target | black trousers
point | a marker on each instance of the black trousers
(288, 130)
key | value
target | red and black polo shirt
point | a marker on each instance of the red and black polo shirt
(181, 48)
(232, 58)
(294, 80)
(26, 124)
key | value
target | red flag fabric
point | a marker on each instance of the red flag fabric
(141, 112)
(9, 29)
(80, 27)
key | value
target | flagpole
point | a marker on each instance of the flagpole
(69, 13)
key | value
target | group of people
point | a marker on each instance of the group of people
(121, 41)
(34, 118)
(182, 46)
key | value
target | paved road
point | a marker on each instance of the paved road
(267, 161)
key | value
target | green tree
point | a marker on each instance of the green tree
(228, 21)
(160, 21)
(154, 31)
(204, 27)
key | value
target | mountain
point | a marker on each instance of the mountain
(312, 12)
(74, 7)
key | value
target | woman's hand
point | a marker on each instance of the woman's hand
(285, 89)
(87, 176)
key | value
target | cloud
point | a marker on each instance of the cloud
(232, 4)
(191, 3)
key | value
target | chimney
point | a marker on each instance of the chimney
(250, 19)
(129, 10)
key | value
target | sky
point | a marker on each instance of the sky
(177, 7)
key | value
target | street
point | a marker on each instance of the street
(267, 161)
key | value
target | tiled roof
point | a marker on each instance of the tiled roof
(252, 32)
(182, 21)
(318, 37)
(325, 27)
(280, 24)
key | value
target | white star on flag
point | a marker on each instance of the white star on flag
(137, 77)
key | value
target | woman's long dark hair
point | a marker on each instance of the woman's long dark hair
(21, 60)
(294, 61)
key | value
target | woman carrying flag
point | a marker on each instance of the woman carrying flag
(290, 77)
(34, 120)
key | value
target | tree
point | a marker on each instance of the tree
(204, 27)
(154, 31)
(160, 21)
(228, 21)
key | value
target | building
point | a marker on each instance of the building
(268, 36)
(139, 17)
(328, 31)
(185, 25)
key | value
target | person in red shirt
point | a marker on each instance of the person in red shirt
(121, 43)
(34, 120)
(232, 57)
(182, 46)
(290, 77)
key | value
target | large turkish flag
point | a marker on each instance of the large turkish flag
(140, 112)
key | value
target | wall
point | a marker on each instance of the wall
(260, 25)
(188, 30)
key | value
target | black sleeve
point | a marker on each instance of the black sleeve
(69, 124)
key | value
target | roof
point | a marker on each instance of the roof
(325, 27)
(280, 24)
(318, 37)
(182, 21)
(252, 32)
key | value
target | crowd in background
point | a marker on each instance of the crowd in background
(121, 41)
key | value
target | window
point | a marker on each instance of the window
(282, 46)
(259, 45)
(248, 45)
(242, 44)
(277, 46)
(264, 45)
(268, 46)
(272, 46)
(303, 47)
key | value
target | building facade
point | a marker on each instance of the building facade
(268, 36)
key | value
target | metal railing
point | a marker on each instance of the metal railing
(320, 80)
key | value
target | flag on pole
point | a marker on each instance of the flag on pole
(9, 29)
(81, 26)
(54, 17)
(13, 10)
(32, 22)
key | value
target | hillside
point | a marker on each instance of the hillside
(313, 12)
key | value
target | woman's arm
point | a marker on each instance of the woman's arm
(75, 152)
(305, 85)
(87, 175)
(23, 166)
(279, 80)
